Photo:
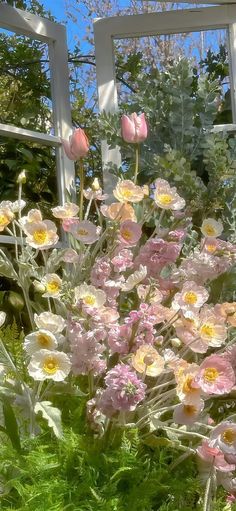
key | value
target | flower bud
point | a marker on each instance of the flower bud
(134, 128)
(77, 146)
(95, 185)
(39, 288)
(176, 342)
(21, 178)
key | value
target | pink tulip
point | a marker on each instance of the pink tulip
(134, 128)
(77, 146)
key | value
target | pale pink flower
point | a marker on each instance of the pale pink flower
(69, 223)
(134, 279)
(95, 192)
(188, 390)
(214, 457)
(150, 293)
(192, 296)
(42, 235)
(85, 231)
(166, 197)
(199, 331)
(70, 256)
(124, 389)
(6, 217)
(127, 191)
(188, 414)
(157, 253)
(118, 211)
(223, 436)
(215, 375)
(211, 228)
(146, 360)
(100, 272)
(134, 128)
(122, 260)
(77, 146)
(130, 233)
(34, 215)
(68, 210)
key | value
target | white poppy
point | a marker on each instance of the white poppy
(49, 365)
(42, 339)
(49, 321)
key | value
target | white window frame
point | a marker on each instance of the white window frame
(155, 23)
(54, 35)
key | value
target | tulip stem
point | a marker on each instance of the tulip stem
(81, 177)
(136, 163)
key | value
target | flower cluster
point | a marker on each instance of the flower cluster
(124, 309)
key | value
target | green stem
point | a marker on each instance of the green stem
(81, 177)
(136, 163)
(208, 492)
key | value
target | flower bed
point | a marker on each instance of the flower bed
(125, 354)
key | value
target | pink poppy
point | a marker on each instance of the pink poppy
(216, 375)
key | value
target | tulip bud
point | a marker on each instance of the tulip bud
(134, 128)
(77, 146)
(21, 178)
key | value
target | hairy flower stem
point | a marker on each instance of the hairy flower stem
(22, 384)
(136, 163)
(207, 497)
(81, 177)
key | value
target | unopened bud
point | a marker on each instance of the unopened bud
(21, 178)
(176, 342)
(39, 288)
(95, 185)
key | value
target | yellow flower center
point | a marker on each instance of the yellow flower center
(210, 248)
(43, 341)
(190, 410)
(165, 199)
(207, 330)
(127, 234)
(127, 194)
(228, 436)
(190, 297)
(53, 287)
(50, 365)
(82, 232)
(4, 220)
(209, 230)
(89, 299)
(211, 374)
(187, 385)
(40, 237)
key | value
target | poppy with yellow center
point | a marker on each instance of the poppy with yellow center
(40, 237)
(210, 374)
(50, 365)
(229, 436)
(190, 298)
(52, 287)
(164, 198)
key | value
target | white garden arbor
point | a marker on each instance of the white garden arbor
(221, 14)
(54, 35)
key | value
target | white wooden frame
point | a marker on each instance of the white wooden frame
(54, 35)
(159, 23)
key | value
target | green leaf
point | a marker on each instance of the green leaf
(7, 270)
(52, 416)
(10, 423)
(156, 441)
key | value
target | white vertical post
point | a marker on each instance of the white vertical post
(232, 63)
(61, 111)
(107, 95)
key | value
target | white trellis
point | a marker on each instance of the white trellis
(54, 35)
(106, 30)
